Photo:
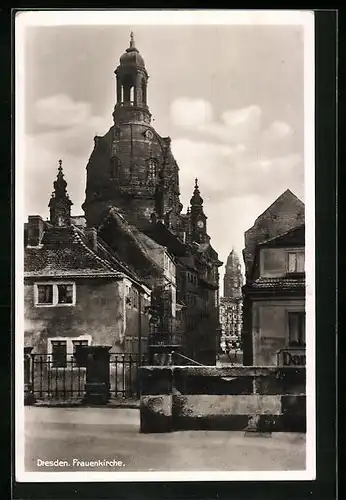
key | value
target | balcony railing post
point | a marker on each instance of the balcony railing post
(29, 398)
(97, 387)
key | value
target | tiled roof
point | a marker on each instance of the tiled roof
(295, 233)
(282, 283)
(148, 242)
(103, 250)
(286, 195)
(135, 237)
(65, 252)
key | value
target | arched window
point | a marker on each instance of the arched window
(152, 169)
(132, 95)
(114, 170)
(144, 91)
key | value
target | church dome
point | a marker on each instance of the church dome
(132, 57)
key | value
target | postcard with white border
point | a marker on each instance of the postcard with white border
(165, 224)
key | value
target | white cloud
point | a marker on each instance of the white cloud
(69, 126)
(241, 167)
(40, 170)
(191, 113)
(277, 130)
(233, 118)
(237, 126)
(61, 111)
(225, 172)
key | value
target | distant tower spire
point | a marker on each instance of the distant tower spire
(198, 217)
(233, 278)
(196, 199)
(60, 203)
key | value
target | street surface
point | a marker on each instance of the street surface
(77, 435)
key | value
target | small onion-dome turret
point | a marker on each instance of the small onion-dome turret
(132, 57)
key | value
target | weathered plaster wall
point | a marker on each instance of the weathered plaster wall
(274, 261)
(100, 311)
(270, 328)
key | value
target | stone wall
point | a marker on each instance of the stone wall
(234, 398)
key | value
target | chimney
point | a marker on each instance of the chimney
(91, 234)
(36, 226)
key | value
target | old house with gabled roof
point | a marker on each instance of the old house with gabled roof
(274, 292)
(77, 290)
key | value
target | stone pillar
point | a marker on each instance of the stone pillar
(118, 90)
(29, 398)
(97, 387)
(254, 420)
(156, 399)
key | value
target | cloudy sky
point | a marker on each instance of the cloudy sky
(230, 97)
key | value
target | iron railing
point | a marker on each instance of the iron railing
(57, 380)
(64, 379)
(180, 359)
(123, 373)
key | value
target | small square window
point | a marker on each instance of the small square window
(45, 294)
(65, 294)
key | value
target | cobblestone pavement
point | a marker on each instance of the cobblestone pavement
(91, 434)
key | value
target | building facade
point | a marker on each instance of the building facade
(132, 174)
(231, 304)
(77, 292)
(274, 292)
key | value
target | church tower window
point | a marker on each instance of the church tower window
(144, 91)
(132, 94)
(114, 168)
(152, 169)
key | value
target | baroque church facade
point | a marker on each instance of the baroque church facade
(133, 176)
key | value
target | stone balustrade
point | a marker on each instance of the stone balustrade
(264, 399)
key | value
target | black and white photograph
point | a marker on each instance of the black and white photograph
(165, 279)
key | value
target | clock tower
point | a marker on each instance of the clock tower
(197, 217)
